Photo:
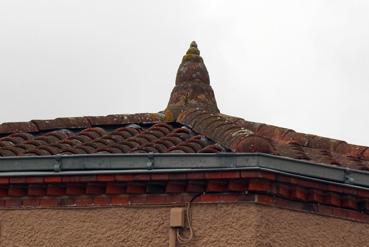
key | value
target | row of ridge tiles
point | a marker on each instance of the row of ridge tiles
(240, 135)
(131, 138)
(79, 122)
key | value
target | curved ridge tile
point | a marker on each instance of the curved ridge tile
(254, 144)
(62, 123)
(272, 132)
(18, 127)
(120, 119)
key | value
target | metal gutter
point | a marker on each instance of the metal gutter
(172, 162)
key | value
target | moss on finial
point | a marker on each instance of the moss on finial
(193, 49)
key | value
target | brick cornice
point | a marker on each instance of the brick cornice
(177, 188)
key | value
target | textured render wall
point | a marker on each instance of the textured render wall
(280, 227)
(215, 225)
(124, 226)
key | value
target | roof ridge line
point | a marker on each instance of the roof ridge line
(37, 125)
(240, 135)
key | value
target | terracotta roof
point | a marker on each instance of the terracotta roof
(190, 123)
(157, 137)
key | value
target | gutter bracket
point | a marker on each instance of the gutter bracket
(58, 164)
(150, 162)
(347, 178)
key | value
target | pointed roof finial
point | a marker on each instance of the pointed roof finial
(192, 88)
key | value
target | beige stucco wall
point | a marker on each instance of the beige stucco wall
(243, 224)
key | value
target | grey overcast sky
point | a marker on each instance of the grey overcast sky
(297, 64)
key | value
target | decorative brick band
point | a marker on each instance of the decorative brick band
(178, 188)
